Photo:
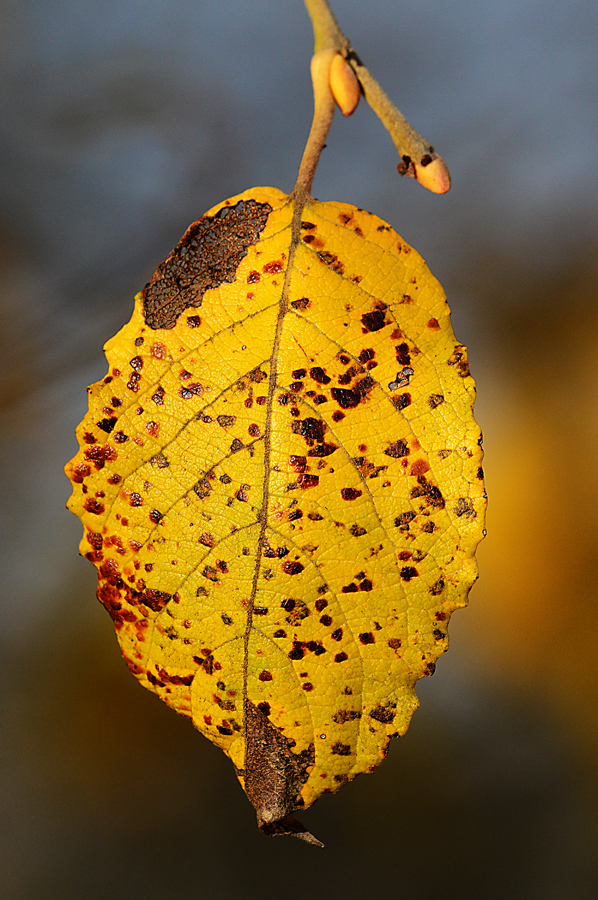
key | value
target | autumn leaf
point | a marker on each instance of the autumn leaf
(280, 485)
(279, 478)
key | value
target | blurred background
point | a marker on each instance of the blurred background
(121, 123)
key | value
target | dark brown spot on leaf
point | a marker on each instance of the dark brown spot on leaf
(319, 375)
(384, 714)
(274, 267)
(357, 530)
(312, 430)
(397, 449)
(107, 424)
(430, 492)
(374, 321)
(207, 256)
(306, 481)
(302, 303)
(459, 360)
(323, 450)
(332, 261)
(340, 749)
(93, 506)
(402, 401)
(350, 493)
(346, 715)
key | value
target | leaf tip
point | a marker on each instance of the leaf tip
(289, 826)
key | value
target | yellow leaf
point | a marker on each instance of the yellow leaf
(280, 484)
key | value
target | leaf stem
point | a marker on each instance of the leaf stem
(327, 34)
(322, 120)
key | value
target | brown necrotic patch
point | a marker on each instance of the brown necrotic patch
(332, 261)
(384, 714)
(374, 320)
(208, 255)
(274, 773)
(397, 449)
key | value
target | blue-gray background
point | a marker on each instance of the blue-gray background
(122, 122)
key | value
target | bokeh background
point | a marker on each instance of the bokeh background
(121, 121)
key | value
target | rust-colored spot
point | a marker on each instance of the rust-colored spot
(308, 481)
(402, 401)
(80, 472)
(464, 507)
(208, 255)
(302, 303)
(459, 360)
(384, 714)
(133, 382)
(158, 349)
(298, 464)
(332, 261)
(346, 715)
(350, 493)
(274, 267)
(367, 637)
(374, 321)
(346, 399)
(298, 650)
(312, 430)
(397, 449)
(402, 354)
(292, 567)
(158, 395)
(325, 449)
(265, 675)
(319, 375)
(107, 424)
(430, 492)
(419, 467)
(340, 749)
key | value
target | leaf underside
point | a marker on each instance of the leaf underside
(280, 485)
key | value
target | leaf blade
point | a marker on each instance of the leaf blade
(284, 501)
